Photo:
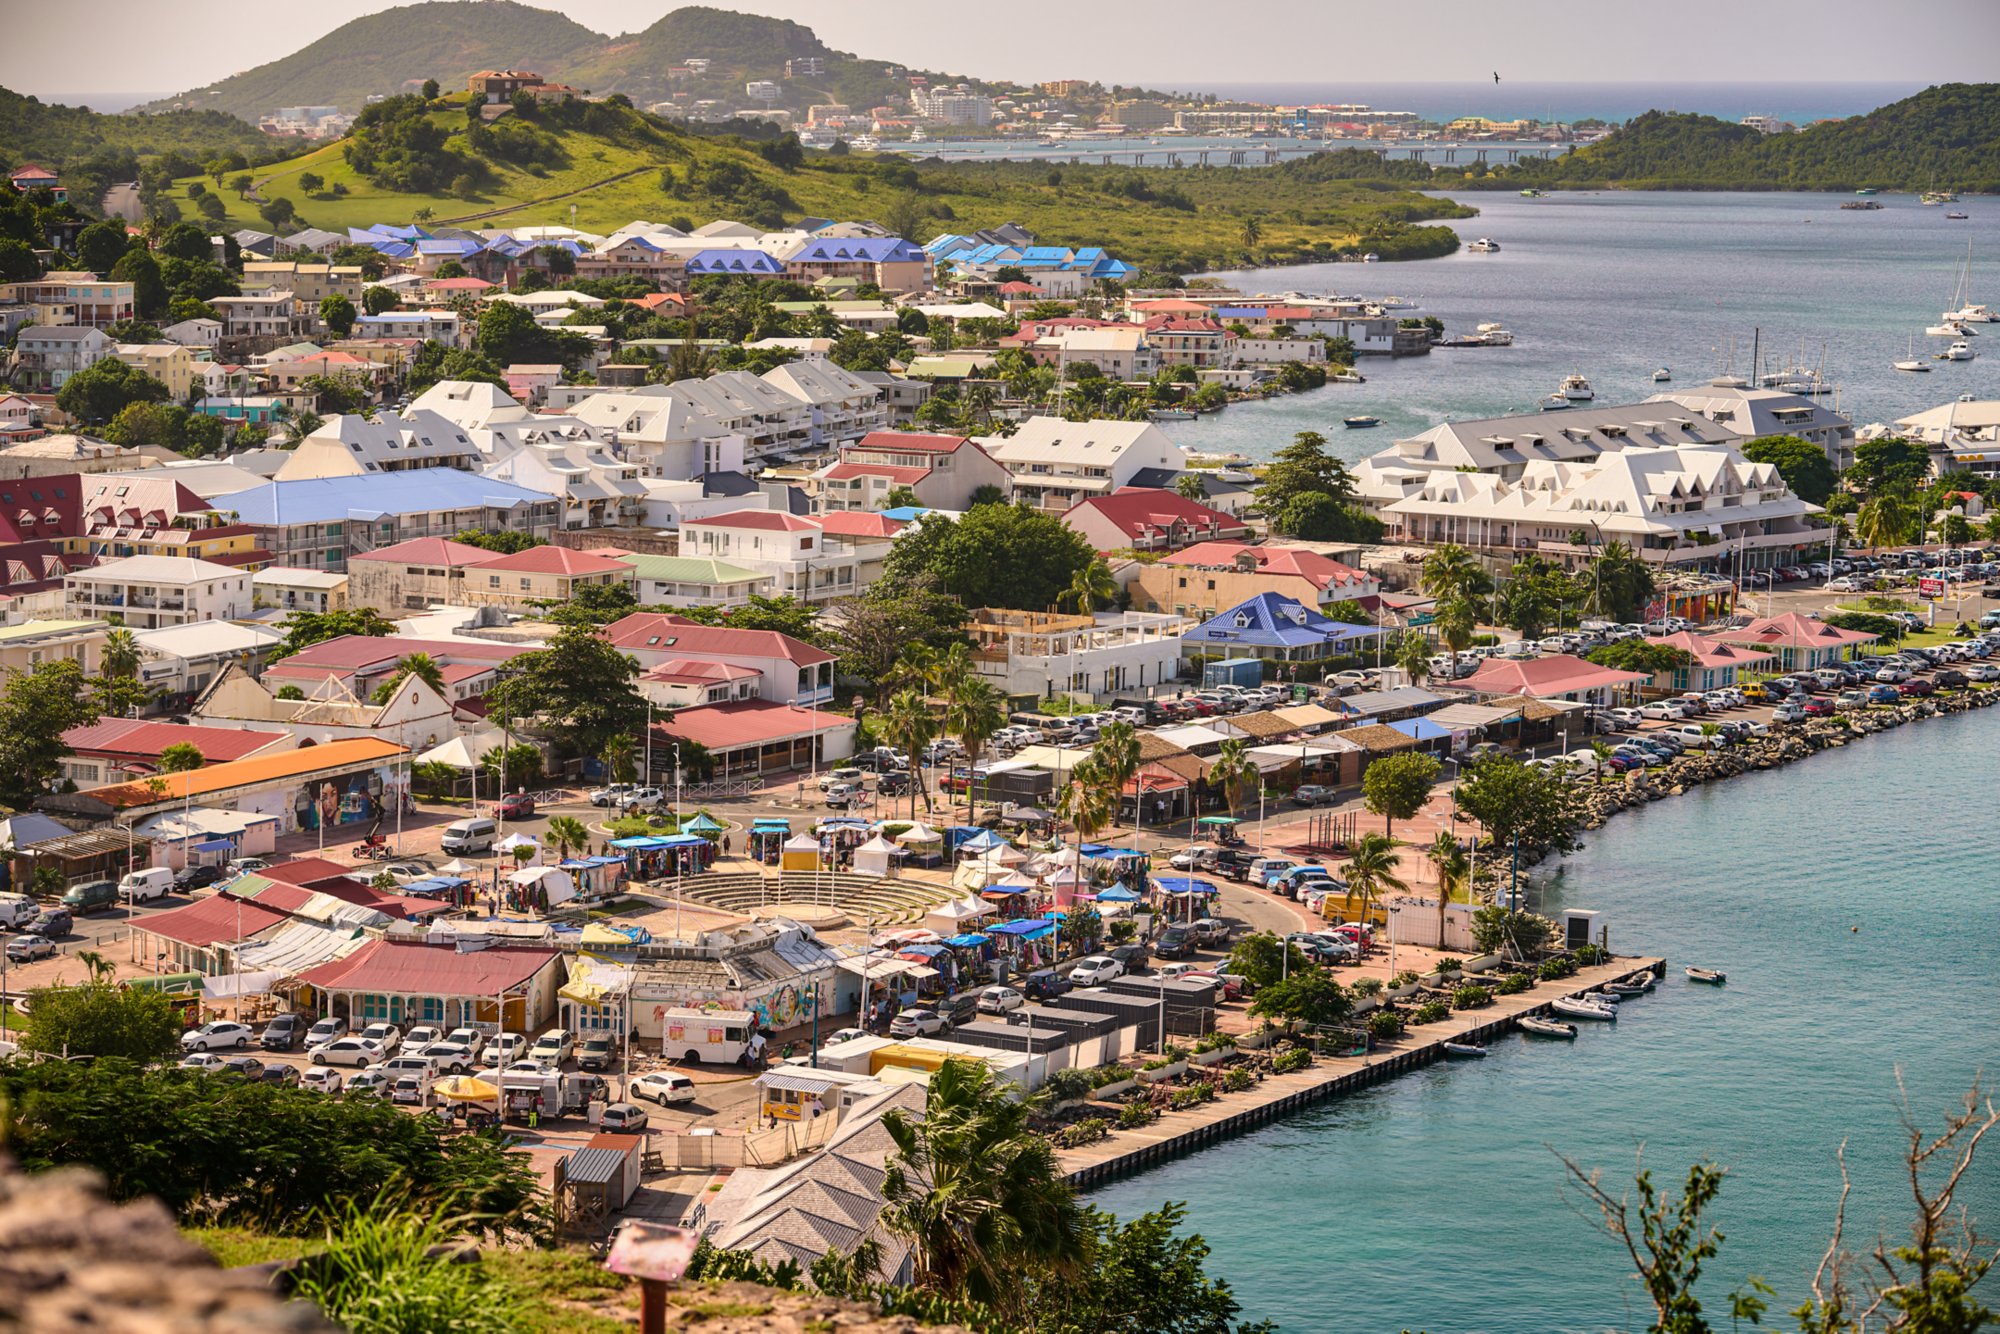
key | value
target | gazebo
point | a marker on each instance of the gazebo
(923, 844)
(800, 853)
(703, 824)
(876, 857)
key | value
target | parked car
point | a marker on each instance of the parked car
(197, 877)
(283, 1032)
(357, 1052)
(320, 1080)
(1096, 969)
(247, 1066)
(218, 1033)
(202, 1060)
(1209, 930)
(1312, 794)
(1917, 686)
(450, 1058)
(1174, 943)
(281, 1075)
(514, 806)
(325, 1031)
(553, 1047)
(918, 1024)
(640, 798)
(374, 1083)
(503, 1050)
(1000, 1000)
(1950, 679)
(609, 795)
(1044, 984)
(28, 948)
(596, 1052)
(623, 1116)
(663, 1087)
(386, 1036)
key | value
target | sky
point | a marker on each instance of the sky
(146, 46)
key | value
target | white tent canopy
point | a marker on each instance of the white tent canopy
(802, 843)
(919, 833)
(951, 918)
(558, 884)
(464, 752)
(876, 856)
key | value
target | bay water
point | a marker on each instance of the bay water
(1615, 284)
(1853, 899)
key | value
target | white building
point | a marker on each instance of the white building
(798, 556)
(1961, 436)
(597, 490)
(147, 592)
(1056, 463)
(1106, 654)
(183, 659)
(670, 435)
(1691, 506)
(349, 445)
(1759, 412)
(842, 406)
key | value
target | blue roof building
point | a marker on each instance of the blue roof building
(1276, 628)
(319, 523)
(734, 264)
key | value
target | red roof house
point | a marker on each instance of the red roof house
(1150, 519)
(1552, 676)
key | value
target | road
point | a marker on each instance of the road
(122, 201)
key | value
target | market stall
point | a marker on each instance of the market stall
(767, 839)
(597, 878)
(922, 845)
(878, 856)
(538, 889)
(800, 853)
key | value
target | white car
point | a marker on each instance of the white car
(503, 1050)
(844, 1035)
(609, 796)
(423, 1036)
(1171, 971)
(321, 1080)
(663, 1087)
(552, 1047)
(466, 1037)
(386, 1036)
(452, 1058)
(325, 1031)
(201, 1060)
(1664, 708)
(220, 1033)
(1095, 969)
(1000, 1000)
(357, 1052)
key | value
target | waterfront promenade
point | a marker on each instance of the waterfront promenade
(1230, 1114)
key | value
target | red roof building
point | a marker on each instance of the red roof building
(861, 526)
(1798, 642)
(1150, 519)
(111, 750)
(411, 981)
(756, 736)
(946, 471)
(1552, 676)
(790, 670)
(1712, 664)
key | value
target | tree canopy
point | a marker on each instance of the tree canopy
(996, 556)
(578, 690)
(36, 707)
(303, 629)
(1802, 464)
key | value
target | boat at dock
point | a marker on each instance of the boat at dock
(1579, 1008)
(1554, 403)
(1348, 377)
(1546, 1028)
(1706, 976)
(1626, 988)
(1464, 1051)
(1172, 415)
(1487, 335)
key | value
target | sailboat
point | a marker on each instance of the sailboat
(1910, 362)
(1965, 310)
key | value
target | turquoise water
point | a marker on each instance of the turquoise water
(1617, 284)
(1854, 901)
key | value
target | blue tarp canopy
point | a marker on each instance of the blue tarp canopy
(214, 845)
(1423, 729)
(681, 841)
(1116, 894)
(1105, 850)
(1027, 930)
(771, 823)
(965, 941)
(1174, 884)
(575, 863)
(985, 839)
(927, 951)
(434, 885)
(641, 841)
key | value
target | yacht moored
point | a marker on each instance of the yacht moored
(1570, 1008)
(1553, 403)
(1959, 351)
(1458, 1051)
(1484, 246)
(1662, 375)
(1576, 389)
(1360, 421)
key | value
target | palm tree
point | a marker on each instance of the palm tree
(950, 667)
(1456, 622)
(1231, 770)
(978, 1195)
(619, 758)
(1451, 867)
(973, 713)
(100, 967)
(1620, 583)
(1116, 754)
(912, 726)
(1413, 657)
(1087, 800)
(1372, 869)
(1451, 569)
(1253, 230)
(1881, 522)
(120, 654)
(1091, 585)
(1191, 486)
(420, 665)
(568, 835)
(435, 777)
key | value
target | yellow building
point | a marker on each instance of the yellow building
(26, 646)
(170, 363)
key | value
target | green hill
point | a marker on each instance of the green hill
(90, 151)
(1947, 136)
(612, 164)
(395, 50)
(379, 53)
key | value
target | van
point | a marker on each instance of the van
(93, 896)
(1264, 869)
(155, 882)
(17, 910)
(463, 837)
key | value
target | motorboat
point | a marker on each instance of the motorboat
(1494, 335)
(1578, 1008)
(1531, 193)
(1484, 246)
(1464, 1051)
(1860, 205)
(1706, 976)
(1949, 329)
(1171, 415)
(1553, 403)
(1576, 389)
(1371, 258)
(1644, 980)
(1959, 351)
(1662, 375)
(1347, 377)
(1354, 423)
(1546, 1028)
(1955, 216)
(1625, 989)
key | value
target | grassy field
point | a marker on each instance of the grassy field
(1197, 218)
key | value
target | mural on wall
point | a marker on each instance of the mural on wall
(354, 799)
(781, 1007)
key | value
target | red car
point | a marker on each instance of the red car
(514, 806)
(1817, 708)
(1917, 686)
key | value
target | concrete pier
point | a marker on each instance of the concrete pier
(1232, 1114)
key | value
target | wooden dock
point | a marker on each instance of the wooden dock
(1232, 1114)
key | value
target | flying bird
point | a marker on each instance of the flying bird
(1496, 76)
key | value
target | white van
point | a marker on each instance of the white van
(712, 1037)
(1262, 869)
(469, 837)
(155, 882)
(17, 910)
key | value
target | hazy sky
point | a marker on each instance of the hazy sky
(149, 45)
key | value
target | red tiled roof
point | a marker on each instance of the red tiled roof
(1709, 652)
(687, 669)
(304, 870)
(861, 523)
(409, 968)
(143, 739)
(771, 521)
(1321, 571)
(41, 508)
(645, 631)
(1793, 628)
(428, 551)
(210, 921)
(556, 560)
(841, 472)
(1554, 674)
(747, 722)
(466, 284)
(1139, 510)
(654, 300)
(909, 442)
(353, 652)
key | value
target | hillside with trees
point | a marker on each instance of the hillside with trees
(90, 150)
(1945, 137)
